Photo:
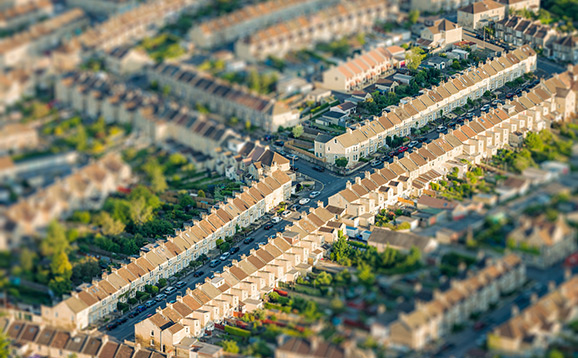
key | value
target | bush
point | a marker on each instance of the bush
(162, 282)
(237, 331)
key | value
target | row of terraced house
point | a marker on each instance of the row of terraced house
(241, 286)
(343, 19)
(432, 320)
(95, 301)
(223, 97)
(410, 175)
(249, 19)
(430, 105)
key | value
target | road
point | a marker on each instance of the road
(548, 68)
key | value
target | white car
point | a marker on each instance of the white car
(286, 213)
(485, 107)
(304, 201)
(224, 256)
(314, 194)
(441, 128)
(170, 290)
(375, 163)
(276, 219)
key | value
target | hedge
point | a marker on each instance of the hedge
(237, 331)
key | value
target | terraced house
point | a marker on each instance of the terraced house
(85, 189)
(530, 332)
(25, 14)
(249, 19)
(408, 176)
(164, 258)
(432, 320)
(431, 104)
(158, 121)
(241, 286)
(134, 25)
(222, 97)
(343, 19)
(24, 47)
(33, 339)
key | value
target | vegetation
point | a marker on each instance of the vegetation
(163, 46)
(341, 162)
(4, 345)
(338, 48)
(461, 188)
(297, 131)
(538, 147)
(348, 253)
(413, 57)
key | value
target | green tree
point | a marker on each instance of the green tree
(365, 275)
(413, 16)
(139, 211)
(297, 131)
(254, 81)
(82, 217)
(166, 90)
(413, 58)
(109, 225)
(554, 353)
(4, 345)
(230, 346)
(60, 265)
(201, 194)
(341, 162)
(248, 125)
(177, 159)
(27, 258)
(534, 142)
(55, 240)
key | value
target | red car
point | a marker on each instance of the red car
(479, 325)
(402, 149)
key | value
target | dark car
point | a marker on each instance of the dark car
(198, 274)
(268, 226)
(133, 314)
(141, 308)
(279, 143)
(293, 168)
(234, 250)
(295, 207)
(111, 326)
(319, 168)
(509, 95)
(248, 240)
(122, 320)
(479, 325)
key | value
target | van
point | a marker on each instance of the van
(170, 290)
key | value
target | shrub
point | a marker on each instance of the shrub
(237, 331)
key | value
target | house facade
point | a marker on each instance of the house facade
(166, 257)
(341, 19)
(433, 320)
(442, 34)
(241, 285)
(471, 84)
(477, 15)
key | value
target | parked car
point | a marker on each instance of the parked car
(479, 325)
(268, 226)
(314, 194)
(149, 303)
(470, 115)
(279, 143)
(286, 213)
(402, 149)
(234, 250)
(375, 163)
(198, 273)
(214, 263)
(441, 129)
(509, 95)
(485, 107)
(248, 240)
(304, 201)
(170, 290)
(160, 297)
(262, 243)
(413, 143)
(180, 284)
(294, 168)
(295, 207)
(276, 219)
(224, 256)
(293, 157)
(319, 168)
(111, 326)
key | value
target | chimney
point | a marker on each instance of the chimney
(188, 291)
(197, 285)
(367, 174)
(551, 286)
(349, 130)
(533, 298)
(358, 180)
(179, 298)
(320, 204)
(235, 262)
(515, 310)
(159, 309)
(348, 185)
(207, 279)
(567, 274)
